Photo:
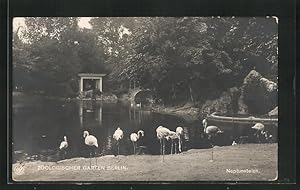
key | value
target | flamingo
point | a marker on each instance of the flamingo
(162, 133)
(179, 131)
(259, 127)
(118, 135)
(211, 132)
(134, 137)
(64, 145)
(90, 141)
(173, 136)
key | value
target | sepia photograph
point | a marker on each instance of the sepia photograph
(144, 99)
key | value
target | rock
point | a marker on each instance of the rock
(258, 94)
(226, 104)
(270, 86)
(274, 112)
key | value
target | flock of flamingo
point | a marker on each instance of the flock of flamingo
(162, 134)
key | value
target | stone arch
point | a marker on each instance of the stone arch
(143, 96)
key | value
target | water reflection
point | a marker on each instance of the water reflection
(38, 129)
(89, 110)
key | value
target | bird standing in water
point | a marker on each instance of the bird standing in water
(259, 127)
(134, 137)
(63, 146)
(162, 133)
(174, 137)
(211, 132)
(179, 131)
(118, 135)
(92, 142)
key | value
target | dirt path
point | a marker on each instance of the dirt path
(241, 162)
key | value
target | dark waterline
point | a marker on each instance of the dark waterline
(39, 126)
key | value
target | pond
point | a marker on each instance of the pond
(39, 125)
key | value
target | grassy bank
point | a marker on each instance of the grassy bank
(230, 163)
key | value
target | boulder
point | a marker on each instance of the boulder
(258, 94)
(273, 112)
(225, 104)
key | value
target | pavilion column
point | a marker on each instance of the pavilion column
(81, 84)
(100, 84)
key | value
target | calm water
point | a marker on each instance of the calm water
(40, 124)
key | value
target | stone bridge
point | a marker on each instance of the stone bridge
(139, 95)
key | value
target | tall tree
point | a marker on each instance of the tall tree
(60, 51)
(180, 57)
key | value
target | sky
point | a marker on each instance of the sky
(83, 22)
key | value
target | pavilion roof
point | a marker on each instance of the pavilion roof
(91, 74)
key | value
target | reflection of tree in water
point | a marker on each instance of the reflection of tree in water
(109, 142)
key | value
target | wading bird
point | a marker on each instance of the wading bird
(92, 142)
(179, 131)
(259, 127)
(162, 133)
(174, 140)
(118, 135)
(134, 137)
(63, 146)
(211, 132)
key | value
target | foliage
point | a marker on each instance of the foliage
(194, 59)
(179, 58)
(56, 55)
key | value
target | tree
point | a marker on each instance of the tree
(60, 51)
(179, 58)
(250, 42)
(194, 58)
(49, 27)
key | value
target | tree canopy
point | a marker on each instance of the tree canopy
(179, 58)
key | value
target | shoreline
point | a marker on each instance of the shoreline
(186, 112)
(231, 163)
